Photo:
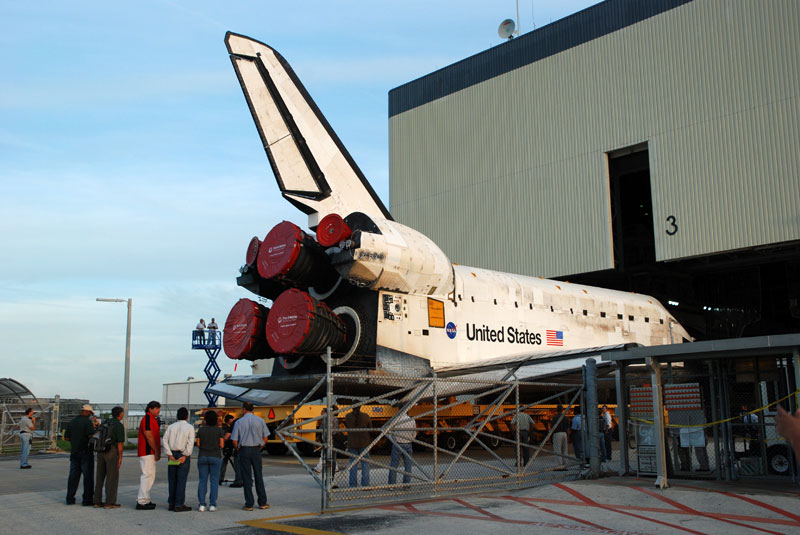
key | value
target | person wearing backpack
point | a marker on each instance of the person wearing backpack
(230, 455)
(81, 459)
(111, 441)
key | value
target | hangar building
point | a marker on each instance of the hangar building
(643, 145)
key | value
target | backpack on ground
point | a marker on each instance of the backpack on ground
(102, 440)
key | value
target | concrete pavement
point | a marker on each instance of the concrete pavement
(33, 502)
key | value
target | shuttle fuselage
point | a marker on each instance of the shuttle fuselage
(379, 293)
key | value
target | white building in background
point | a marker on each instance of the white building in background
(188, 392)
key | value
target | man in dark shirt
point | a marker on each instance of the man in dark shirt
(357, 442)
(81, 458)
(108, 462)
(229, 454)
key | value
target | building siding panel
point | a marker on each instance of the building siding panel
(511, 172)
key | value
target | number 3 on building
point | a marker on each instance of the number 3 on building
(673, 227)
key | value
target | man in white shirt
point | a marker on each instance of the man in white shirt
(403, 433)
(178, 443)
(200, 331)
(524, 422)
(26, 425)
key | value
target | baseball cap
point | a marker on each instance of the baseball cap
(87, 407)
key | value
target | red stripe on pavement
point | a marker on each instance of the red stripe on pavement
(673, 526)
(588, 500)
(581, 497)
(763, 505)
(663, 510)
(693, 511)
(479, 510)
(790, 493)
(552, 512)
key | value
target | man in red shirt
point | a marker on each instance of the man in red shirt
(149, 453)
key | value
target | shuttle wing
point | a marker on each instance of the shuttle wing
(313, 169)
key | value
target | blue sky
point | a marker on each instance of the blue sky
(130, 166)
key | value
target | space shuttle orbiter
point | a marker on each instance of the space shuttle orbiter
(379, 293)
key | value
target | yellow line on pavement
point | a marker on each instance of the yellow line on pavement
(298, 515)
(265, 524)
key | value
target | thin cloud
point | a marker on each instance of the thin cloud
(101, 90)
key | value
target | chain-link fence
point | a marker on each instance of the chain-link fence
(45, 431)
(720, 418)
(393, 437)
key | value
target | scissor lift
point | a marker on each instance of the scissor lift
(211, 342)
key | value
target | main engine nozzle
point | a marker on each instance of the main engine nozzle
(298, 324)
(332, 230)
(244, 332)
(291, 256)
(252, 251)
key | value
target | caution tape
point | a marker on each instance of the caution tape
(732, 418)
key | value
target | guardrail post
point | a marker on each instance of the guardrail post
(3, 429)
(516, 430)
(54, 411)
(435, 438)
(658, 423)
(621, 413)
(591, 418)
(327, 467)
(796, 366)
(714, 400)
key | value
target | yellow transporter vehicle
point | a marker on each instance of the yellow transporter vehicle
(452, 418)
(273, 415)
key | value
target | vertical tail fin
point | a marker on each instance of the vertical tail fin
(313, 169)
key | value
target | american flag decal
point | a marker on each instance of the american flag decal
(555, 338)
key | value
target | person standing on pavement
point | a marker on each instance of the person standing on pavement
(576, 432)
(230, 455)
(524, 422)
(81, 458)
(608, 427)
(403, 435)
(560, 445)
(149, 454)
(249, 436)
(109, 462)
(358, 438)
(210, 440)
(322, 427)
(26, 425)
(178, 443)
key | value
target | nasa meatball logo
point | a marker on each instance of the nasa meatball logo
(451, 330)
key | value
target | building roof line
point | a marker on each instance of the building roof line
(579, 28)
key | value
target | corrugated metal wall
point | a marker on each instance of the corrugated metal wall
(511, 173)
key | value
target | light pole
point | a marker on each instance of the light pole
(127, 356)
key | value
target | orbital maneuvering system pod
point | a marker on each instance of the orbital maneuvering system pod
(380, 294)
